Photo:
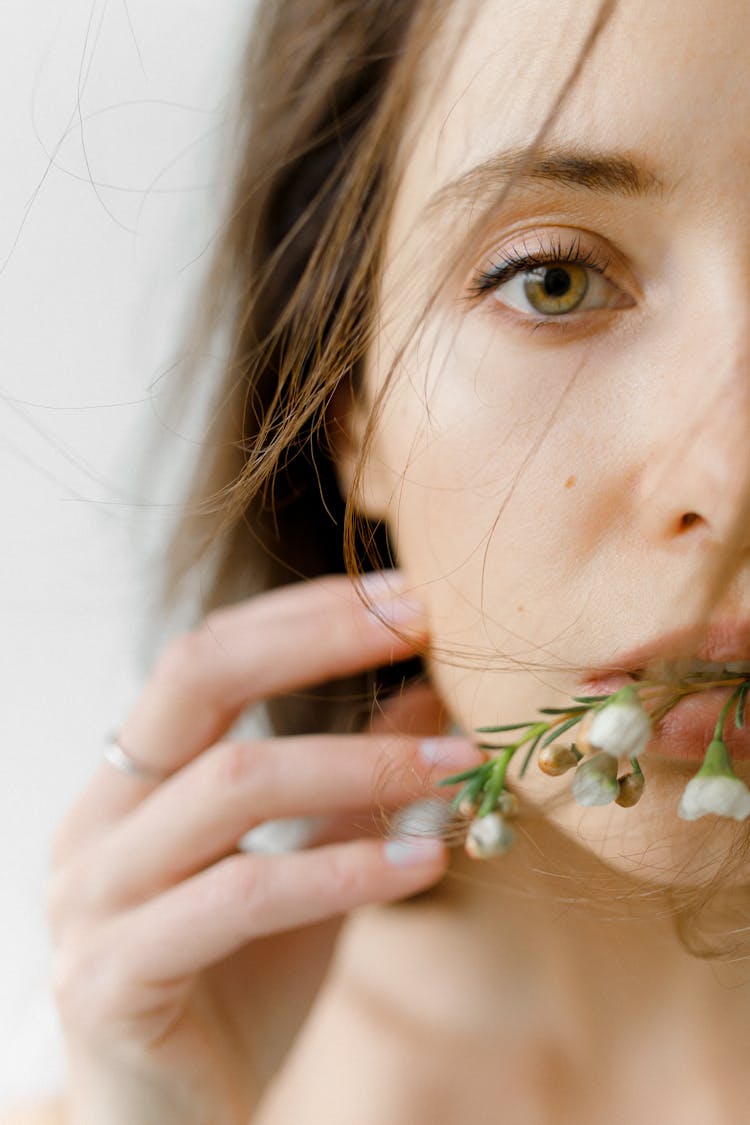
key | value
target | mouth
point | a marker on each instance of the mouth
(685, 670)
(692, 652)
(687, 658)
(692, 670)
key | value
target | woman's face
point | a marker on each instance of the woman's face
(562, 458)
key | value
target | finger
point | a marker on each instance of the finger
(291, 834)
(280, 641)
(199, 815)
(416, 709)
(430, 815)
(246, 897)
(427, 816)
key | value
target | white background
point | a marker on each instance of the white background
(114, 113)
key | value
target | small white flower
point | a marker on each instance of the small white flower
(489, 835)
(621, 727)
(721, 794)
(595, 780)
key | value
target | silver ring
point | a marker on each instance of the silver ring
(125, 763)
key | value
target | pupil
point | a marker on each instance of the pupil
(556, 282)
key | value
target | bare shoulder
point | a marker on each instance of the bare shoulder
(48, 1112)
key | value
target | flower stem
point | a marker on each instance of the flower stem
(684, 688)
(494, 786)
(484, 783)
(719, 728)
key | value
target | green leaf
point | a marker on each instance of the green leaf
(466, 775)
(553, 734)
(492, 792)
(557, 710)
(498, 730)
(739, 714)
(470, 790)
(530, 752)
(589, 698)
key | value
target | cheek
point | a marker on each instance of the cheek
(497, 505)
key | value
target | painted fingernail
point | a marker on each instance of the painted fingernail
(410, 851)
(449, 752)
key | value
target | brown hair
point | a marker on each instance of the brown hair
(325, 86)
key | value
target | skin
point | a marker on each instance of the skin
(535, 482)
(160, 1027)
(535, 485)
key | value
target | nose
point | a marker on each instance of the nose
(695, 487)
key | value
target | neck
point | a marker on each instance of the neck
(598, 952)
(584, 953)
(543, 962)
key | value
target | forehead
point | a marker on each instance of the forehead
(665, 81)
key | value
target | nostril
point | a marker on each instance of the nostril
(688, 520)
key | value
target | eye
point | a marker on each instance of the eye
(556, 289)
(551, 282)
(550, 290)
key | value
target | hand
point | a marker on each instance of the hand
(185, 967)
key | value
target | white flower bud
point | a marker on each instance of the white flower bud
(715, 788)
(488, 835)
(595, 780)
(621, 727)
(721, 794)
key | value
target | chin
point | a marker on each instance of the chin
(649, 845)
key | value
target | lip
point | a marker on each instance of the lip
(721, 642)
(686, 730)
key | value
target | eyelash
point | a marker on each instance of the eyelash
(510, 264)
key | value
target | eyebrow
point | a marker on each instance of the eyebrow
(604, 173)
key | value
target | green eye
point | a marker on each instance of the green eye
(555, 289)
(554, 283)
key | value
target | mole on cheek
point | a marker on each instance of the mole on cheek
(570, 482)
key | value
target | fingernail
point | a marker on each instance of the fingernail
(390, 604)
(382, 583)
(408, 852)
(428, 817)
(405, 610)
(449, 752)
